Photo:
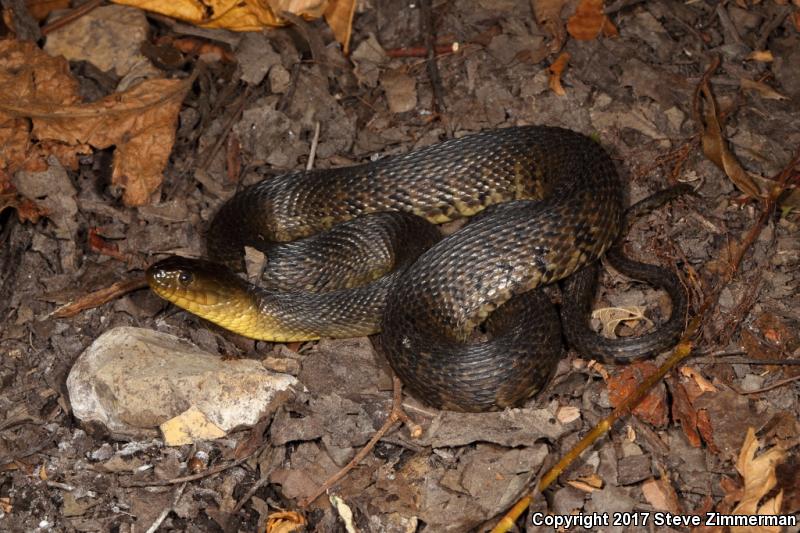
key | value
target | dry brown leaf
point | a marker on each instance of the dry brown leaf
(661, 495)
(759, 478)
(703, 385)
(339, 16)
(253, 15)
(588, 483)
(611, 317)
(285, 522)
(139, 122)
(684, 413)
(609, 30)
(548, 15)
(765, 56)
(716, 148)
(27, 74)
(588, 20)
(761, 88)
(556, 69)
(653, 408)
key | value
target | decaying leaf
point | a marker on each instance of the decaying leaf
(765, 56)
(555, 70)
(660, 493)
(589, 20)
(684, 413)
(548, 15)
(759, 478)
(653, 408)
(588, 483)
(761, 88)
(285, 522)
(700, 383)
(27, 74)
(139, 122)
(715, 146)
(254, 16)
(611, 317)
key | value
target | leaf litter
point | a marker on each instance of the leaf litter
(103, 164)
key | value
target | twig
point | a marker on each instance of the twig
(226, 129)
(429, 35)
(200, 475)
(72, 16)
(250, 493)
(313, 152)
(775, 385)
(167, 510)
(681, 352)
(62, 486)
(771, 26)
(728, 26)
(100, 297)
(711, 360)
(395, 415)
(422, 51)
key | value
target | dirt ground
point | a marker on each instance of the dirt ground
(251, 112)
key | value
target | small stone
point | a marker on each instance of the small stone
(132, 380)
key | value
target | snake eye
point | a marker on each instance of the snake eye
(185, 277)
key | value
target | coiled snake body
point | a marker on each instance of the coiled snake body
(461, 322)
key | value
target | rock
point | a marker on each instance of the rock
(132, 380)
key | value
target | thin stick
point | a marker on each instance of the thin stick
(775, 385)
(429, 34)
(313, 153)
(100, 297)
(167, 510)
(395, 415)
(73, 15)
(200, 475)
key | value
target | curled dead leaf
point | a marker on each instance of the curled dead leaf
(41, 114)
(759, 478)
(285, 522)
(761, 88)
(253, 16)
(715, 146)
(611, 317)
(555, 70)
(765, 56)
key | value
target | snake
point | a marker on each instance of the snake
(463, 320)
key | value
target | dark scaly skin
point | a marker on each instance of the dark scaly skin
(554, 204)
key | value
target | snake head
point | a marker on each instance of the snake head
(199, 286)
